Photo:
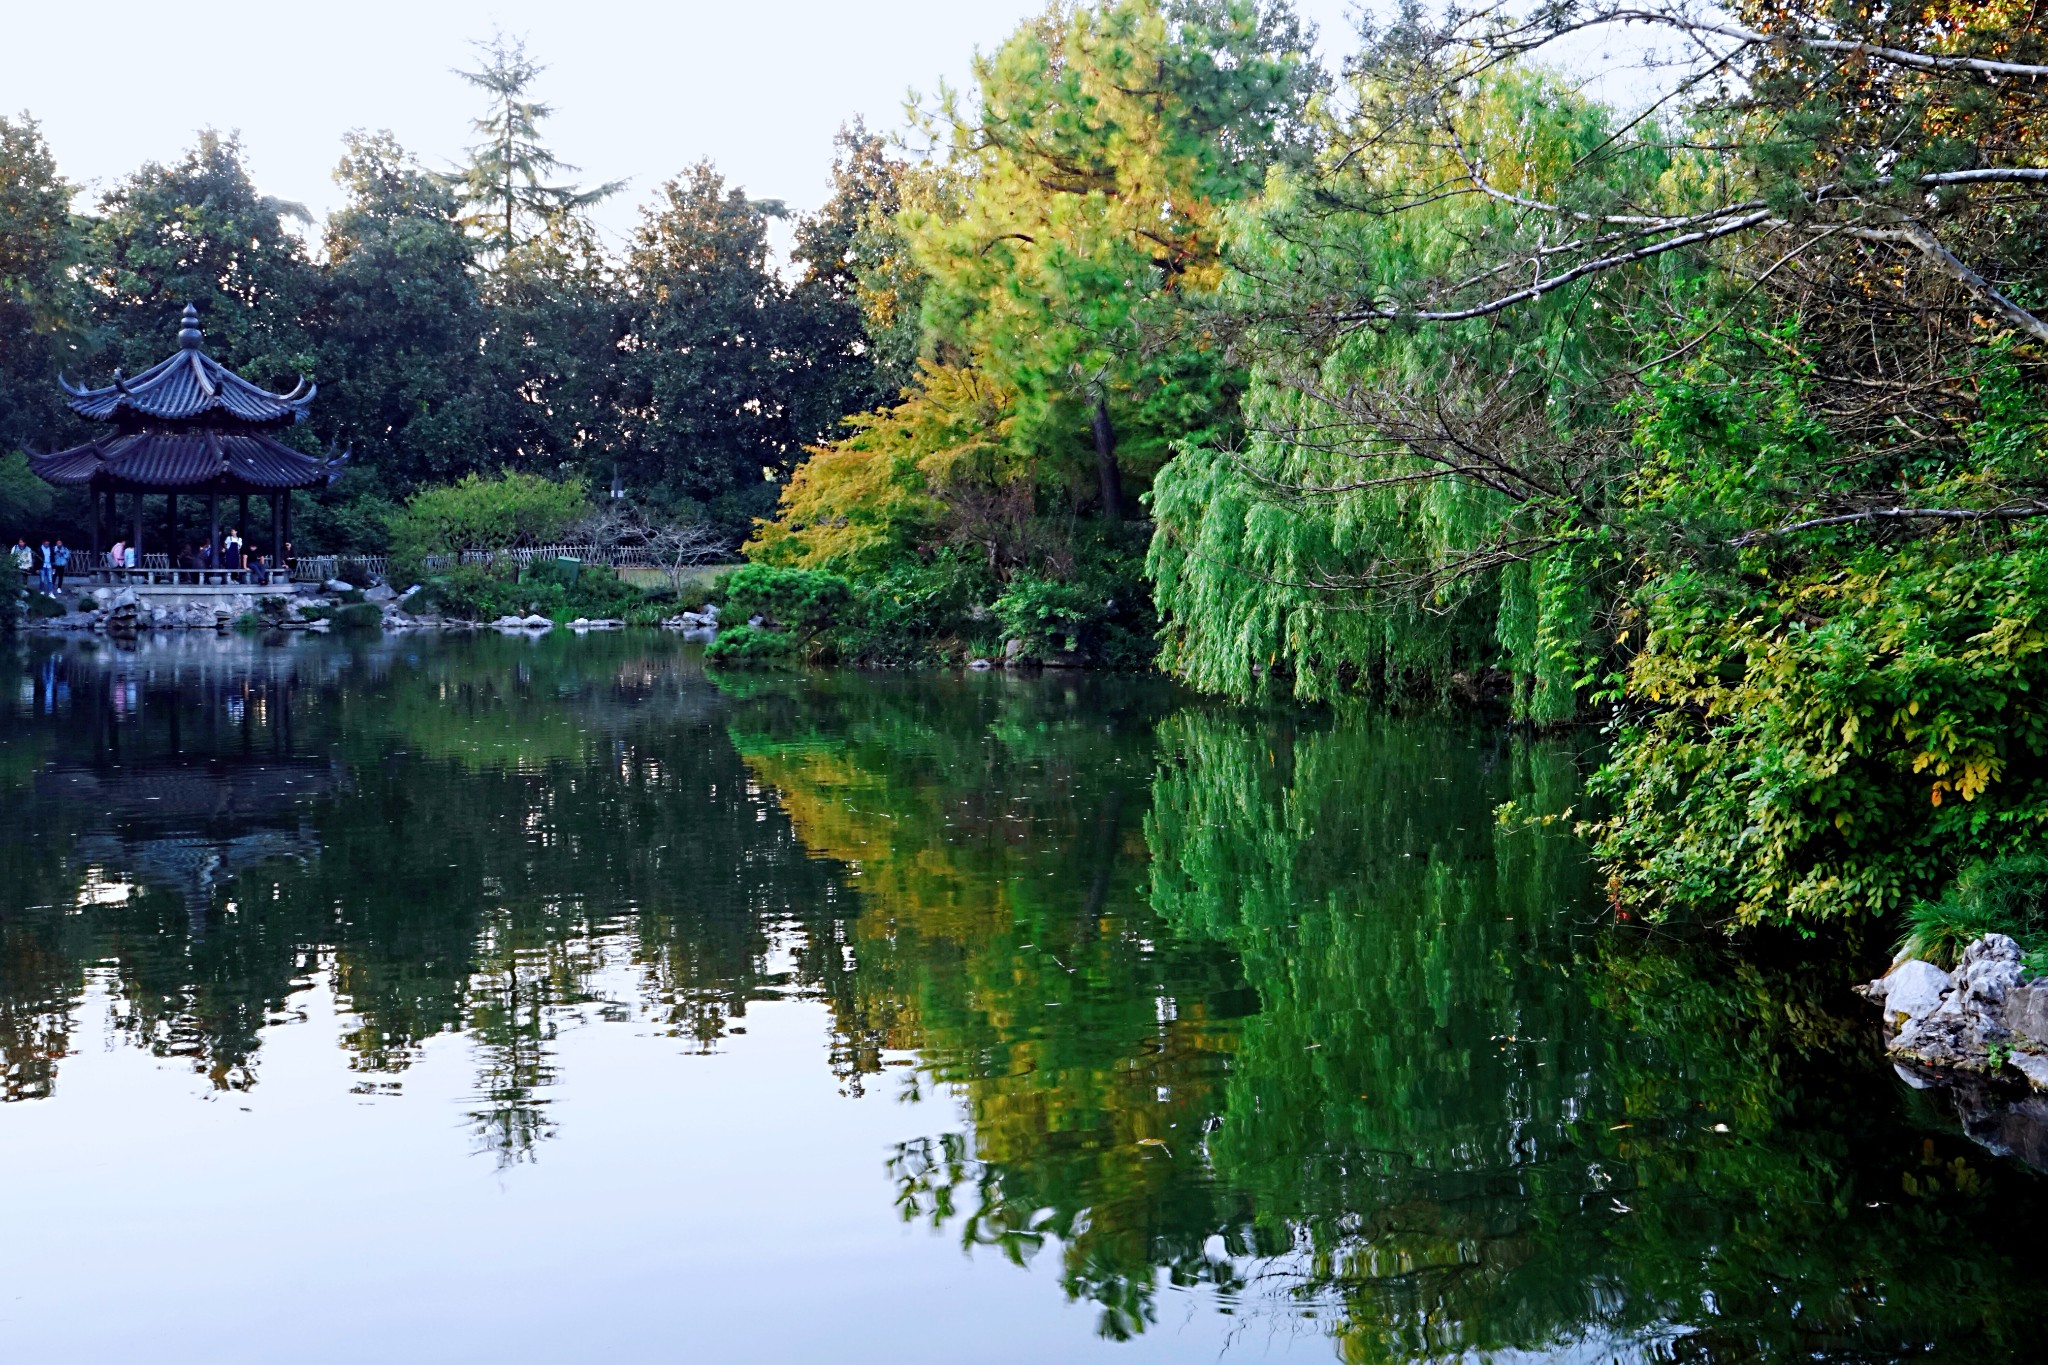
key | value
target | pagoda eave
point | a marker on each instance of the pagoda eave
(186, 462)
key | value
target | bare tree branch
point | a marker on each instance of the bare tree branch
(2009, 512)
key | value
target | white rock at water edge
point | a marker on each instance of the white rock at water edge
(1910, 990)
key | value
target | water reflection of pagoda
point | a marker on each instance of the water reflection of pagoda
(191, 776)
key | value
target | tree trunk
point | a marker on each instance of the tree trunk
(1105, 463)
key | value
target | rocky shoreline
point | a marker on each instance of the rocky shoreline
(123, 613)
(1979, 1033)
(1985, 1018)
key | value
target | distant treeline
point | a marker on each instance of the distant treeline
(456, 322)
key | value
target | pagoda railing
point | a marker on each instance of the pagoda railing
(156, 571)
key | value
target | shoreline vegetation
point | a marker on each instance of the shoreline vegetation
(1713, 420)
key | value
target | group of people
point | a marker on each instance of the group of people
(232, 556)
(48, 563)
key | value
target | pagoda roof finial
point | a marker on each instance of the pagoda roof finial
(191, 387)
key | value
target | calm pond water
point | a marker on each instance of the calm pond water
(472, 1000)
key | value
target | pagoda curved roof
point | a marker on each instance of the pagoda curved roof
(159, 461)
(190, 386)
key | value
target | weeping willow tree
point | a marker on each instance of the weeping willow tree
(1414, 499)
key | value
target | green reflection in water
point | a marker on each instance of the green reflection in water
(1267, 1004)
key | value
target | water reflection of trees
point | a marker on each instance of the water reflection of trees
(1475, 1126)
(1266, 1004)
(516, 823)
(995, 829)
(1331, 1040)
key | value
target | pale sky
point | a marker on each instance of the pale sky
(641, 88)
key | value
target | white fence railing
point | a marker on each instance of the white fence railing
(320, 568)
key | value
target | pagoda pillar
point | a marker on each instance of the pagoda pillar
(135, 526)
(213, 530)
(277, 530)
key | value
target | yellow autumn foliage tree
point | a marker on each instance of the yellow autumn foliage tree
(862, 502)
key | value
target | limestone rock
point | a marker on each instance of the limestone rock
(1990, 969)
(1987, 1012)
(980, 665)
(1910, 991)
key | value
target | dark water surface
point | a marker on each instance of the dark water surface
(500, 1001)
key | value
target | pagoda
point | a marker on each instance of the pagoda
(188, 425)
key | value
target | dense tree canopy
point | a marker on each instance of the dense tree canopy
(458, 323)
(1064, 244)
(712, 379)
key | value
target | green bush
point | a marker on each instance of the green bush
(475, 593)
(916, 613)
(801, 601)
(1100, 613)
(752, 647)
(1048, 617)
(794, 606)
(2007, 895)
(926, 610)
(479, 513)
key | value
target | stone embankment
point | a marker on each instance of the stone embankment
(1984, 1018)
(122, 612)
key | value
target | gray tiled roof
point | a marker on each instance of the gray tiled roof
(166, 461)
(190, 386)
